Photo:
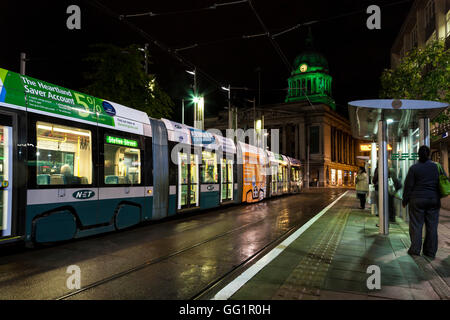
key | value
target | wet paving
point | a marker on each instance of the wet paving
(171, 259)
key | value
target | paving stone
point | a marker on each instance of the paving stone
(329, 261)
(424, 294)
(392, 292)
(345, 285)
(335, 295)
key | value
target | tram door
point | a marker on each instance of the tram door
(226, 166)
(188, 180)
(6, 165)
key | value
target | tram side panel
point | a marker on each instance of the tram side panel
(209, 179)
(173, 181)
(57, 207)
(160, 170)
(83, 180)
(13, 173)
(254, 184)
(239, 187)
(122, 187)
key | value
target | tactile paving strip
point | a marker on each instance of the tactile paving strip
(309, 275)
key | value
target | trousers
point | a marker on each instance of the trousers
(424, 211)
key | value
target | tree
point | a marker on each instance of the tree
(423, 74)
(117, 74)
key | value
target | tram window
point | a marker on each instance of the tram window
(295, 174)
(122, 165)
(280, 174)
(64, 155)
(209, 167)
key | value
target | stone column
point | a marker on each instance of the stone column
(302, 141)
(283, 135)
(297, 142)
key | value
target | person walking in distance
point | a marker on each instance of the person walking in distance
(362, 187)
(421, 192)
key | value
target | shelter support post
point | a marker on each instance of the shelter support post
(424, 131)
(373, 165)
(383, 207)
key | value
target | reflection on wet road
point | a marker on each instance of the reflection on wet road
(172, 259)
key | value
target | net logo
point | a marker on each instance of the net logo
(83, 194)
(109, 109)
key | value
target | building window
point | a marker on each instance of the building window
(64, 155)
(345, 148)
(338, 145)
(431, 38)
(430, 20)
(414, 37)
(314, 139)
(333, 144)
(429, 12)
(447, 19)
(122, 161)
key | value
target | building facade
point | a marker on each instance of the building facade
(309, 127)
(427, 20)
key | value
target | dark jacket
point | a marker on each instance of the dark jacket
(397, 183)
(422, 181)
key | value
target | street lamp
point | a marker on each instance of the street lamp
(145, 50)
(198, 111)
(232, 124)
(230, 119)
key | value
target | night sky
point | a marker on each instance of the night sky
(356, 55)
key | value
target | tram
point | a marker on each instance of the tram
(73, 165)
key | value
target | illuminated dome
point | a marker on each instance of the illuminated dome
(309, 78)
(314, 61)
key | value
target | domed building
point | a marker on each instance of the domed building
(309, 128)
(310, 78)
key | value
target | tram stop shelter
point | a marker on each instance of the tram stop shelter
(405, 126)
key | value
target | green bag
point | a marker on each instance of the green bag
(444, 183)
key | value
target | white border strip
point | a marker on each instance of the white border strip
(243, 278)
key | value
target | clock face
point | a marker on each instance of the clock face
(303, 68)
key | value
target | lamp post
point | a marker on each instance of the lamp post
(232, 112)
(23, 61)
(145, 50)
(182, 111)
(198, 114)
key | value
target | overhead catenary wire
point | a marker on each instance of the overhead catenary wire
(347, 14)
(154, 41)
(287, 30)
(272, 40)
(212, 7)
(267, 33)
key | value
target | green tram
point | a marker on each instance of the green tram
(73, 165)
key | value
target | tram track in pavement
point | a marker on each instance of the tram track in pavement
(155, 261)
(212, 284)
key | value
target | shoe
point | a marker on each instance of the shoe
(413, 253)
